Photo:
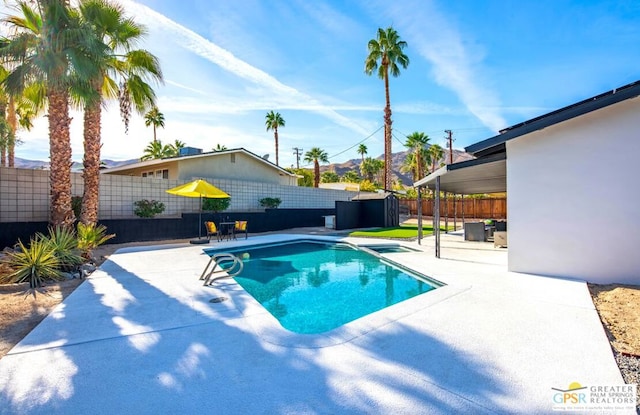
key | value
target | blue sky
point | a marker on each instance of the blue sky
(476, 67)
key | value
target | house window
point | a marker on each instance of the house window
(233, 158)
(165, 173)
(144, 174)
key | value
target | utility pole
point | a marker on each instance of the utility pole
(450, 145)
(298, 152)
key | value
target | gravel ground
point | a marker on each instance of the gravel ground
(630, 369)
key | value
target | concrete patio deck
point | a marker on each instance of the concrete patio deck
(141, 336)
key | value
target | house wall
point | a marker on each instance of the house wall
(573, 197)
(235, 166)
(24, 195)
(172, 166)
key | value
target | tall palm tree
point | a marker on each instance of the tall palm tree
(123, 75)
(5, 133)
(156, 118)
(417, 142)
(435, 154)
(273, 120)
(362, 150)
(20, 112)
(316, 155)
(385, 53)
(50, 46)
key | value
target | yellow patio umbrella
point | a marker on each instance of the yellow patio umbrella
(198, 188)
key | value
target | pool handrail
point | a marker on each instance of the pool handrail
(216, 260)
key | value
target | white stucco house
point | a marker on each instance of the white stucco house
(572, 178)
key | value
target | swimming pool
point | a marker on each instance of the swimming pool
(311, 286)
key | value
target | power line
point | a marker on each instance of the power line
(356, 144)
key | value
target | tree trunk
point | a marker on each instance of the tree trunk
(154, 133)
(387, 133)
(316, 173)
(60, 158)
(13, 125)
(3, 144)
(275, 134)
(91, 174)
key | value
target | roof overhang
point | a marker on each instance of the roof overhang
(482, 175)
(496, 144)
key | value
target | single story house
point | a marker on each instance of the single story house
(234, 164)
(573, 190)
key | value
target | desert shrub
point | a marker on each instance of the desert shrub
(270, 202)
(64, 243)
(217, 204)
(90, 237)
(148, 208)
(367, 186)
(36, 263)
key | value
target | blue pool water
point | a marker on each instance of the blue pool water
(313, 287)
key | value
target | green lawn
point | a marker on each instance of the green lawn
(403, 231)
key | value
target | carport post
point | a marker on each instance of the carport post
(436, 214)
(419, 215)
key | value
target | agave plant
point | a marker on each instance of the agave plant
(65, 245)
(90, 237)
(35, 263)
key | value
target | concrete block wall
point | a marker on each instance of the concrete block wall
(24, 195)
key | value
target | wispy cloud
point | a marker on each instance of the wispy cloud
(281, 94)
(434, 36)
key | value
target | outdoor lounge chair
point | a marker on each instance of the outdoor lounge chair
(241, 226)
(212, 230)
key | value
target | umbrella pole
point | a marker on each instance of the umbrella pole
(200, 219)
(199, 240)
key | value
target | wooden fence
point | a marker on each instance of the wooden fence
(487, 208)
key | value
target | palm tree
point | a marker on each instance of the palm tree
(20, 111)
(155, 150)
(176, 147)
(119, 62)
(371, 167)
(385, 53)
(351, 176)
(154, 117)
(329, 176)
(362, 150)
(316, 155)
(51, 47)
(220, 147)
(435, 154)
(417, 142)
(273, 120)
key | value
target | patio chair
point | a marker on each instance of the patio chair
(212, 230)
(241, 226)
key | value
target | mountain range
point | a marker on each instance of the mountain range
(397, 160)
